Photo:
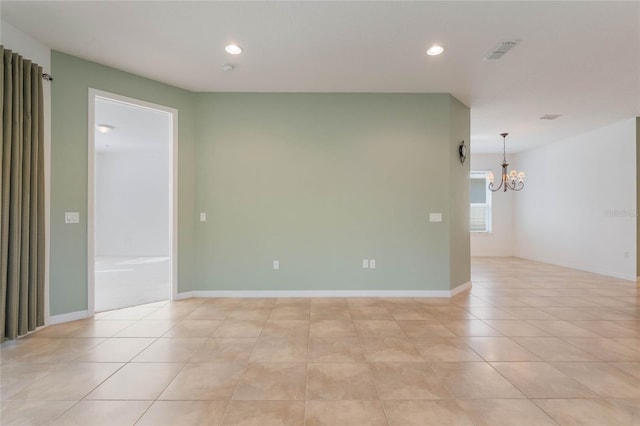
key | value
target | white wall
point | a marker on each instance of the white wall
(132, 203)
(29, 48)
(578, 207)
(498, 242)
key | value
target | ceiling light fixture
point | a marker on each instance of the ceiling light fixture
(233, 49)
(104, 128)
(435, 50)
(510, 180)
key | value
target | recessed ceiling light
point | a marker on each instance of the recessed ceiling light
(435, 50)
(233, 49)
(104, 128)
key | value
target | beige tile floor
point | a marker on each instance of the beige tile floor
(530, 344)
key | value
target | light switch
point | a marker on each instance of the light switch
(71, 217)
(276, 264)
(203, 217)
(435, 217)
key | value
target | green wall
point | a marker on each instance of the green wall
(69, 116)
(638, 196)
(459, 236)
(317, 181)
(322, 181)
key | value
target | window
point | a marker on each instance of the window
(480, 198)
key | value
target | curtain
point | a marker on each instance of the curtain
(22, 186)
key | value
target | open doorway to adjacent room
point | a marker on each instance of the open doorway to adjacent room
(131, 202)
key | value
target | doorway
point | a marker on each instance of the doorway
(132, 229)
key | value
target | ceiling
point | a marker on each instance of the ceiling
(134, 128)
(580, 59)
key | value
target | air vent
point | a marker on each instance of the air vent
(550, 116)
(500, 49)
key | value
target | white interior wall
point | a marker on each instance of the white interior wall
(132, 203)
(498, 242)
(578, 207)
(29, 48)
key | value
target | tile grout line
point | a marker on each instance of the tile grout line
(156, 400)
(226, 408)
(306, 378)
(380, 401)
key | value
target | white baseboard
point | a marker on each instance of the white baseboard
(627, 277)
(184, 295)
(322, 293)
(460, 288)
(71, 316)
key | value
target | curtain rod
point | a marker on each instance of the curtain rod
(47, 77)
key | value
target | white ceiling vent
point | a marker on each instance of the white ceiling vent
(550, 116)
(500, 49)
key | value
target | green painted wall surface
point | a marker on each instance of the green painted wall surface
(638, 196)
(316, 181)
(322, 181)
(459, 236)
(73, 78)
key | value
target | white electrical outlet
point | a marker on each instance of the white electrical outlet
(435, 217)
(203, 217)
(276, 264)
(365, 263)
(71, 217)
(372, 263)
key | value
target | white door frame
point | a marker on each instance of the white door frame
(95, 94)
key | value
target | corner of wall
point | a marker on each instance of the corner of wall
(14, 39)
(69, 179)
(637, 196)
(459, 235)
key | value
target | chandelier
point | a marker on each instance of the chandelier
(510, 180)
